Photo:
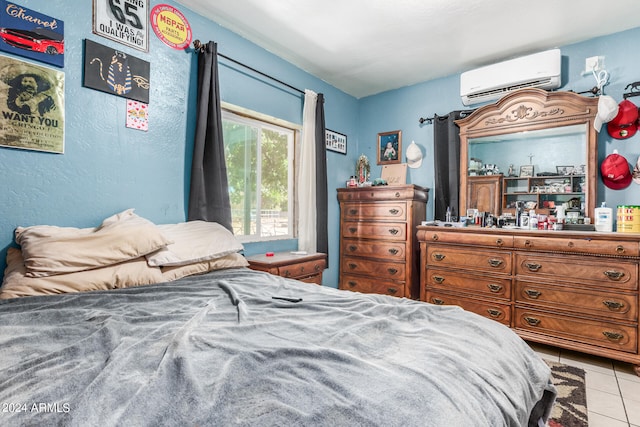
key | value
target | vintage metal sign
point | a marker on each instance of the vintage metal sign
(171, 26)
(125, 21)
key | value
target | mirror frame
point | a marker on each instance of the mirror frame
(532, 109)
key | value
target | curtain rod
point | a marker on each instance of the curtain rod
(198, 46)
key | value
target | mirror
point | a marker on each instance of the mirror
(540, 148)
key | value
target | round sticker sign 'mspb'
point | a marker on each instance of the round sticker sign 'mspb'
(171, 26)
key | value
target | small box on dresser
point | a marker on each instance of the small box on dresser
(379, 251)
(576, 290)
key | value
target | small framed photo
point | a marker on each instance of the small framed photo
(526, 171)
(389, 147)
(565, 170)
(335, 141)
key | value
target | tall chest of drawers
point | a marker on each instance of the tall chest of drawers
(574, 290)
(379, 252)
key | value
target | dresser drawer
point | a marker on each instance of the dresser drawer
(586, 301)
(468, 258)
(375, 230)
(580, 245)
(611, 273)
(372, 286)
(303, 269)
(376, 211)
(495, 287)
(604, 334)
(392, 251)
(383, 193)
(376, 269)
(490, 309)
(486, 239)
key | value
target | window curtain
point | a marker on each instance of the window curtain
(209, 193)
(312, 185)
(446, 151)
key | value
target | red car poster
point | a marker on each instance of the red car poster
(28, 33)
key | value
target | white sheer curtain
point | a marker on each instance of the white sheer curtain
(307, 177)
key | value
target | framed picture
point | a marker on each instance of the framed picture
(335, 141)
(389, 147)
(564, 170)
(115, 72)
(31, 34)
(526, 171)
(125, 22)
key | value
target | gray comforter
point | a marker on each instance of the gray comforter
(218, 350)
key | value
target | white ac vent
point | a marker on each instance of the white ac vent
(541, 70)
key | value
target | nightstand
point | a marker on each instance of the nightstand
(307, 268)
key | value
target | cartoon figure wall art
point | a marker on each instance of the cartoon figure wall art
(115, 72)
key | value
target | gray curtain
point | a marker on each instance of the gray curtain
(446, 151)
(322, 237)
(209, 192)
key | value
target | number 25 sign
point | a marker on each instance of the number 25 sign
(125, 21)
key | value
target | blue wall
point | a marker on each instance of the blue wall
(107, 168)
(401, 109)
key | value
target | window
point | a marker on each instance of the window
(259, 157)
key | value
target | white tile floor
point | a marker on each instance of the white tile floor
(613, 390)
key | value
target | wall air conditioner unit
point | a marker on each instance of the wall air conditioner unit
(541, 70)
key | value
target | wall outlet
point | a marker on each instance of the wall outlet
(593, 63)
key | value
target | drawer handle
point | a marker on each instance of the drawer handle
(493, 262)
(353, 248)
(438, 279)
(528, 243)
(439, 257)
(394, 211)
(614, 275)
(620, 249)
(392, 291)
(353, 266)
(437, 301)
(353, 229)
(532, 293)
(397, 194)
(287, 273)
(570, 244)
(353, 211)
(393, 251)
(434, 237)
(351, 283)
(392, 270)
(317, 267)
(613, 336)
(393, 231)
(494, 287)
(613, 305)
(493, 312)
(499, 242)
(533, 266)
(532, 321)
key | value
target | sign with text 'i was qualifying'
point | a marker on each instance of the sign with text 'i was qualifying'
(125, 21)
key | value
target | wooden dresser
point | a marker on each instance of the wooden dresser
(576, 290)
(305, 267)
(379, 252)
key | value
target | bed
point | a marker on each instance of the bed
(233, 346)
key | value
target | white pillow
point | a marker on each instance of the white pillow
(194, 241)
(50, 250)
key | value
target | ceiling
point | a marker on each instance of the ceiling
(365, 47)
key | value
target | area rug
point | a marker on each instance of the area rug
(570, 409)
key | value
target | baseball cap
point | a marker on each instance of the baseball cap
(625, 124)
(615, 171)
(607, 111)
(414, 155)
